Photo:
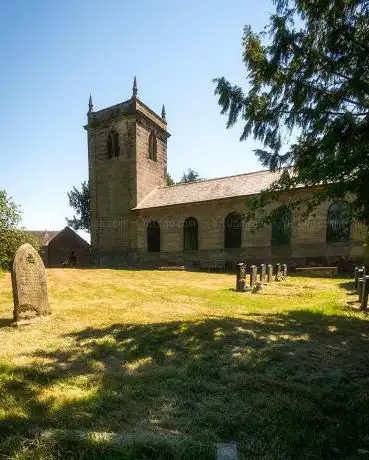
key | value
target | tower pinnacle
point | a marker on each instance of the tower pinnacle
(134, 89)
(163, 114)
(90, 105)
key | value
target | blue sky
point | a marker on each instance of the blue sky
(54, 53)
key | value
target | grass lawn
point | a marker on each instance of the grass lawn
(176, 362)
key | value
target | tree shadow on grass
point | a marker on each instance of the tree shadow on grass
(288, 385)
(6, 322)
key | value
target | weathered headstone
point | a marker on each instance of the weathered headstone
(241, 277)
(360, 274)
(284, 271)
(29, 284)
(262, 273)
(270, 273)
(253, 275)
(365, 293)
(277, 272)
(360, 288)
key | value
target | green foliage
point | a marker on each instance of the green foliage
(170, 180)
(10, 215)
(10, 240)
(190, 175)
(11, 237)
(79, 200)
(308, 74)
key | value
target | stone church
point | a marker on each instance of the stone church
(139, 221)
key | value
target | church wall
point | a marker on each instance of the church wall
(308, 241)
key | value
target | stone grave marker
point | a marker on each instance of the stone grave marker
(253, 275)
(278, 272)
(29, 285)
(262, 273)
(284, 271)
(241, 277)
(270, 273)
(360, 275)
(365, 293)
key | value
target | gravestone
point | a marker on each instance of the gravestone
(29, 285)
(278, 272)
(360, 275)
(241, 277)
(270, 273)
(253, 275)
(262, 273)
(365, 293)
(284, 271)
(360, 288)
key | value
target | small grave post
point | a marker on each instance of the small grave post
(262, 273)
(284, 271)
(365, 293)
(253, 275)
(270, 273)
(278, 272)
(360, 288)
(241, 277)
(360, 276)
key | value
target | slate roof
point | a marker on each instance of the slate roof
(207, 190)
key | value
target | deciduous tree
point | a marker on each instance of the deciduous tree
(79, 200)
(11, 235)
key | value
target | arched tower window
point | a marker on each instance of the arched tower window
(153, 236)
(338, 222)
(232, 231)
(113, 144)
(282, 227)
(153, 147)
(190, 234)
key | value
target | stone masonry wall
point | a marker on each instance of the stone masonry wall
(308, 242)
(112, 185)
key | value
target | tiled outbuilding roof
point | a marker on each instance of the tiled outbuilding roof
(44, 236)
(207, 190)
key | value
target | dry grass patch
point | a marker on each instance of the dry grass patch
(179, 361)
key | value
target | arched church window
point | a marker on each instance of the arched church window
(190, 234)
(282, 227)
(113, 144)
(338, 222)
(232, 230)
(153, 236)
(153, 146)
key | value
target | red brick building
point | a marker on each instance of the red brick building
(58, 247)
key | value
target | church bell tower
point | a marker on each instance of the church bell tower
(127, 158)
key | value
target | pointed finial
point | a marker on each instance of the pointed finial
(134, 89)
(163, 114)
(90, 105)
